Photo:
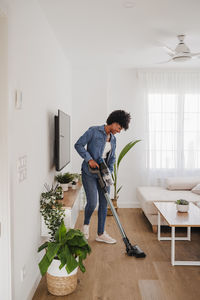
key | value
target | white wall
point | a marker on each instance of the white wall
(39, 69)
(97, 92)
(5, 253)
(124, 94)
(89, 108)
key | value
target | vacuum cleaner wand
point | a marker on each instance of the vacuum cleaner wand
(105, 180)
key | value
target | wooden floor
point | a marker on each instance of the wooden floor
(111, 275)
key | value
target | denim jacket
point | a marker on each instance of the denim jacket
(95, 139)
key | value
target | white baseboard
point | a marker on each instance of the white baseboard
(34, 288)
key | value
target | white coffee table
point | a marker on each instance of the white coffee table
(177, 219)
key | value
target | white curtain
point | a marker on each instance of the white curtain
(172, 101)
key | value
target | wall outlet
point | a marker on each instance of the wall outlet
(23, 273)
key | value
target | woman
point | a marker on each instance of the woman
(101, 143)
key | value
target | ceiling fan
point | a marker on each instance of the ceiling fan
(181, 53)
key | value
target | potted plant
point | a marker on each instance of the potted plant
(62, 258)
(51, 208)
(117, 189)
(64, 180)
(76, 177)
(182, 205)
(74, 185)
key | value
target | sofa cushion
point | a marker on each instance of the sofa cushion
(196, 189)
(148, 194)
(182, 183)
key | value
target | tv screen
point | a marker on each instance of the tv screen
(62, 140)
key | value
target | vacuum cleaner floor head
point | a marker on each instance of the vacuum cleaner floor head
(135, 251)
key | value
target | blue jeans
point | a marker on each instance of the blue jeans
(92, 187)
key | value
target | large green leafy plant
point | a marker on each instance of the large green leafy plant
(51, 209)
(124, 151)
(70, 247)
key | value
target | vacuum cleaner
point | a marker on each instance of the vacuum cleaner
(105, 180)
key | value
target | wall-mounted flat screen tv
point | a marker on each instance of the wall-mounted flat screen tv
(62, 140)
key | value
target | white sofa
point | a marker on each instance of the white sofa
(148, 194)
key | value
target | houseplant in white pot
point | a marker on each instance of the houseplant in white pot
(182, 205)
(74, 185)
(64, 180)
(62, 258)
(77, 177)
(117, 189)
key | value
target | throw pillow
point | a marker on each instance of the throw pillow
(196, 189)
(182, 183)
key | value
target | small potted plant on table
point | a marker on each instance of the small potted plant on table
(64, 180)
(77, 177)
(74, 185)
(182, 205)
(64, 254)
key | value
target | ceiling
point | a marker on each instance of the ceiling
(124, 33)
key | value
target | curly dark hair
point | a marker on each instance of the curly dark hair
(121, 117)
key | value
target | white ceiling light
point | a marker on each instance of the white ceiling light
(181, 58)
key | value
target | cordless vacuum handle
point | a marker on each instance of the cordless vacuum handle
(101, 182)
(93, 170)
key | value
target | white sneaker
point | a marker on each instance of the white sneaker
(105, 238)
(86, 231)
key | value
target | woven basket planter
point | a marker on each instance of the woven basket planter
(59, 282)
(114, 202)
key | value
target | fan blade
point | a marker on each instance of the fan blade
(164, 62)
(169, 50)
(195, 54)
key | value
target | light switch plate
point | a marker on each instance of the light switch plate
(22, 168)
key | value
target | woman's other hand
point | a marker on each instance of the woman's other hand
(93, 164)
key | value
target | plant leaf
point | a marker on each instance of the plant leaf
(80, 263)
(115, 171)
(52, 250)
(71, 263)
(113, 177)
(79, 241)
(73, 233)
(81, 252)
(44, 264)
(62, 255)
(61, 232)
(43, 246)
(119, 189)
(125, 150)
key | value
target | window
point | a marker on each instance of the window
(174, 131)
(191, 131)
